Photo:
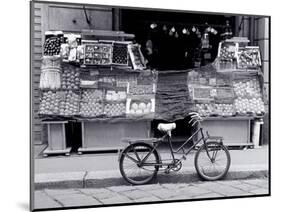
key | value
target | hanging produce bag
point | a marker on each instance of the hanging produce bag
(53, 62)
(50, 79)
(172, 96)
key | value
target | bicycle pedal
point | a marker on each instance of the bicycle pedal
(184, 157)
(167, 171)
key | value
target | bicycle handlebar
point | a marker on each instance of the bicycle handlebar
(195, 118)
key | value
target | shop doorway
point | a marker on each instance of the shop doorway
(173, 41)
(73, 133)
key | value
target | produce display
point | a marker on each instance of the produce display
(125, 79)
(136, 56)
(249, 97)
(107, 79)
(115, 95)
(59, 103)
(249, 58)
(254, 105)
(52, 46)
(91, 103)
(110, 80)
(114, 109)
(224, 109)
(223, 79)
(64, 51)
(50, 102)
(215, 109)
(120, 54)
(204, 109)
(98, 54)
(70, 103)
(92, 95)
(141, 89)
(247, 88)
(224, 95)
(202, 93)
(138, 107)
(93, 109)
(227, 53)
(70, 78)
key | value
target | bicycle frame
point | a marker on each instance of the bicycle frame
(172, 150)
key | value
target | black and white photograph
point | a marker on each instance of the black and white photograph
(136, 105)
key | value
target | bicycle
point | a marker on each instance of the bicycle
(140, 161)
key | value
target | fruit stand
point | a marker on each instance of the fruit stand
(229, 93)
(104, 85)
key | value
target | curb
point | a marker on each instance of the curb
(101, 179)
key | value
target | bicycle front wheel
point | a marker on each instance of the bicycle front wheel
(212, 161)
(130, 163)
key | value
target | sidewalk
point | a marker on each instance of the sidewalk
(58, 198)
(100, 170)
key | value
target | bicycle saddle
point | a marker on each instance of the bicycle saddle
(166, 127)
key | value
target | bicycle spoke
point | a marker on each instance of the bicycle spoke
(136, 154)
(131, 158)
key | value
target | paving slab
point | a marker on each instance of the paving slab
(71, 200)
(263, 182)
(105, 195)
(42, 200)
(116, 199)
(260, 191)
(245, 187)
(162, 193)
(148, 199)
(136, 194)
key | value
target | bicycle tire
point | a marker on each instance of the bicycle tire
(135, 178)
(211, 147)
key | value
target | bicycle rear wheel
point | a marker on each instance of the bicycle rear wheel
(212, 161)
(130, 167)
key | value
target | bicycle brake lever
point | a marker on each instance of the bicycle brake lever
(194, 123)
(190, 121)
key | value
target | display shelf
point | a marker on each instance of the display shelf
(97, 34)
(48, 151)
(56, 138)
(106, 136)
(228, 118)
(82, 150)
(234, 130)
